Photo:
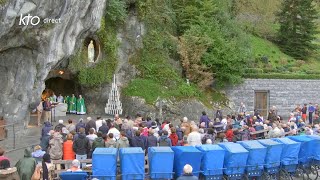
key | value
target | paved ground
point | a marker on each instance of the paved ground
(28, 137)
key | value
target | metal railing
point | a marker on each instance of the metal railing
(11, 135)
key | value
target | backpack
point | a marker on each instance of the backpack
(163, 142)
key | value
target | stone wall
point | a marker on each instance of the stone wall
(283, 93)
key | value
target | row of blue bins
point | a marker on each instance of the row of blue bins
(209, 161)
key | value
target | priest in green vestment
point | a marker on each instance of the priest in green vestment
(72, 104)
(81, 108)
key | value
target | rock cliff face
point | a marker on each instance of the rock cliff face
(28, 52)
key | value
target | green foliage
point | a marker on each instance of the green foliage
(227, 46)
(257, 17)
(150, 90)
(3, 2)
(297, 27)
(104, 69)
(116, 12)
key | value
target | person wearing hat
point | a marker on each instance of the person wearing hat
(90, 124)
(155, 129)
(59, 126)
(26, 166)
(75, 166)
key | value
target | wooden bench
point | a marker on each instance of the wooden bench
(57, 166)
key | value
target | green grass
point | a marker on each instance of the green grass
(262, 47)
(150, 90)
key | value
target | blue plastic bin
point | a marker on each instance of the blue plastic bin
(306, 149)
(273, 157)
(256, 157)
(212, 160)
(160, 162)
(235, 159)
(132, 163)
(290, 153)
(104, 163)
(315, 145)
(186, 155)
(73, 175)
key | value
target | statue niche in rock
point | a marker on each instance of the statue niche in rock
(91, 52)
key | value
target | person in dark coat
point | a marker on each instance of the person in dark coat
(104, 128)
(138, 141)
(81, 146)
(151, 140)
(204, 118)
(26, 166)
(90, 124)
(59, 126)
(46, 128)
(80, 124)
(219, 113)
(45, 140)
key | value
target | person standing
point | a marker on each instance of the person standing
(56, 146)
(304, 112)
(39, 112)
(47, 110)
(311, 109)
(194, 138)
(68, 153)
(204, 119)
(70, 126)
(26, 166)
(242, 108)
(81, 146)
(60, 99)
(53, 98)
(219, 113)
(81, 108)
(90, 124)
(72, 104)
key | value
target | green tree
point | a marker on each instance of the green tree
(297, 27)
(212, 47)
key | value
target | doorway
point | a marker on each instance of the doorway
(261, 102)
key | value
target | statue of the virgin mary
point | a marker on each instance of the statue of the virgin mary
(91, 52)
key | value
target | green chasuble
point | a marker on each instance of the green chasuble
(72, 104)
(81, 108)
(66, 100)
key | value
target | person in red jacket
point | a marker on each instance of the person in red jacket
(68, 153)
(174, 137)
(229, 133)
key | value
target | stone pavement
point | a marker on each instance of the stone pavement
(30, 136)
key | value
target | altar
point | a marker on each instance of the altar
(60, 109)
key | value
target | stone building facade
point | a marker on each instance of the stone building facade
(285, 94)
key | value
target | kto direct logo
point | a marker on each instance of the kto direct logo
(35, 20)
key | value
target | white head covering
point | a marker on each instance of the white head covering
(185, 119)
(60, 121)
